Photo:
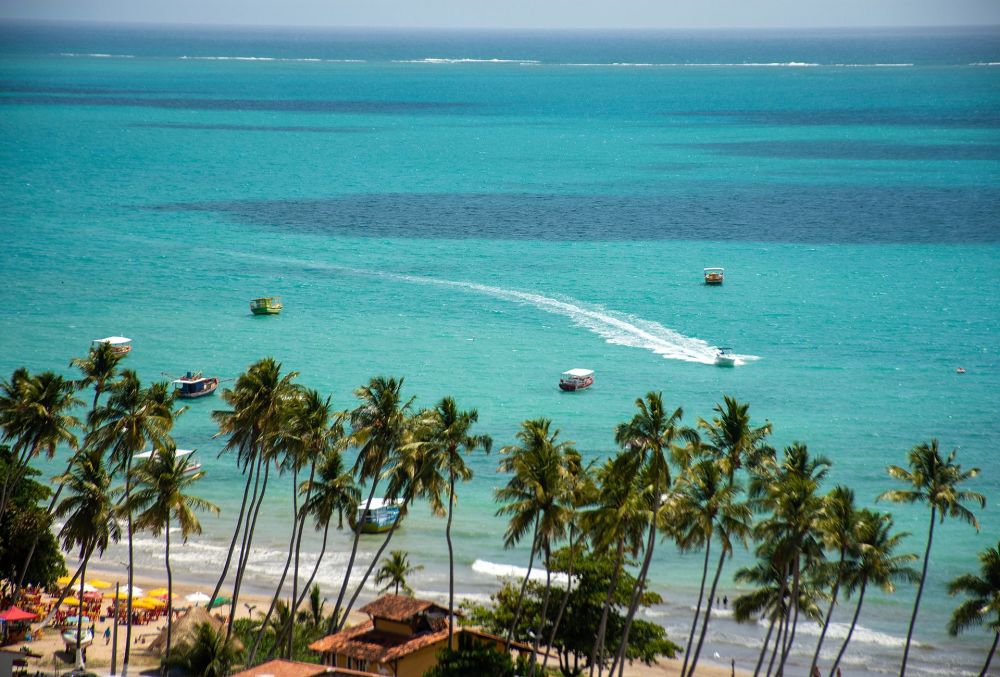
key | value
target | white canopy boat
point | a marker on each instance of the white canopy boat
(119, 344)
(576, 379)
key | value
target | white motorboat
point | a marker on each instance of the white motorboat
(724, 358)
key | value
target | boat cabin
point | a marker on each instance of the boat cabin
(724, 357)
(266, 305)
(576, 379)
(119, 344)
(195, 385)
(714, 276)
(381, 514)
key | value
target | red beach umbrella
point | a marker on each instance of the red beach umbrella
(14, 614)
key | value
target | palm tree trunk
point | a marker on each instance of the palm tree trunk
(597, 651)
(170, 593)
(298, 545)
(796, 579)
(236, 535)
(251, 527)
(451, 560)
(854, 621)
(545, 610)
(565, 601)
(335, 618)
(708, 612)
(639, 587)
(374, 563)
(778, 640)
(276, 597)
(829, 612)
(920, 591)
(131, 563)
(305, 590)
(697, 609)
(989, 656)
(79, 611)
(55, 607)
(524, 586)
(763, 649)
(36, 534)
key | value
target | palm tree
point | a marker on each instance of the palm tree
(935, 482)
(789, 491)
(132, 418)
(767, 599)
(378, 425)
(838, 525)
(35, 416)
(534, 497)
(657, 438)
(209, 654)
(983, 605)
(447, 434)
(876, 564)
(331, 491)
(618, 521)
(706, 506)
(90, 518)
(254, 423)
(733, 441)
(393, 572)
(99, 369)
(160, 496)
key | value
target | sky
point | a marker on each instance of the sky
(542, 14)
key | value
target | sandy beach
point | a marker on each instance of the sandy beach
(54, 659)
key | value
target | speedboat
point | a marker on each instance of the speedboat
(195, 385)
(714, 276)
(267, 305)
(380, 516)
(119, 344)
(724, 358)
(576, 379)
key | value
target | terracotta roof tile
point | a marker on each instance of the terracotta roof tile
(283, 668)
(398, 607)
(364, 642)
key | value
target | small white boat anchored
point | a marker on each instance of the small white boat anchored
(724, 358)
(576, 379)
(119, 344)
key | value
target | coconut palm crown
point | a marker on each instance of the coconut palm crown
(983, 604)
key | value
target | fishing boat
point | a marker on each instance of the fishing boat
(195, 385)
(724, 358)
(119, 344)
(266, 305)
(714, 276)
(576, 379)
(381, 514)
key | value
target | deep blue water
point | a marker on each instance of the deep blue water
(479, 211)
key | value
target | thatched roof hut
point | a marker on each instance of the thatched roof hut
(185, 629)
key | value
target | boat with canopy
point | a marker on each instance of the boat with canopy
(379, 517)
(194, 385)
(119, 344)
(714, 276)
(266, 305)
(576, 379)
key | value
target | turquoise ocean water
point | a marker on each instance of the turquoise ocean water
(477, 212)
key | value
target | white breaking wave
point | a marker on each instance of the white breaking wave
(97, 55)
(436, 60)
(485, 567)
(985, 63)
(861, 634)
(269, 58)
(614, 327)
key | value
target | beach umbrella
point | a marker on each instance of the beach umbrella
(13, 615)
(63, 581)
(125, 593)
(219, 601)
(71, 601)
(197, 598)
(157, 592)
(99, 584)
(87, 587)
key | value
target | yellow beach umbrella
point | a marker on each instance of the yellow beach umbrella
(71, 601)
(63, 581)
(146, 603)
(121, 595)
(157, 592)
(99, 584)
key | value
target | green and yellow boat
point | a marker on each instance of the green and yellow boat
(267, 305)
(381, 514)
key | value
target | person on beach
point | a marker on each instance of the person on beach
(107, 636)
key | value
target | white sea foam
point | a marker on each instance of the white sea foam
(614, 327)
(269, 58)
(438, 60)
(97, 55)
(487, 568)
(985, 63)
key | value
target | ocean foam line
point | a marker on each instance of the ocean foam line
(985, 63)
(269, 58)
(97, 55)
(482, 566)
(614, 327)
(436, 60)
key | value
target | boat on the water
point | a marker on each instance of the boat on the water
(266, 305)
(195, 385)
(576, 379)
(724, 358)
(179, 453)
(119, 344)
(381, 514)
(714, 276)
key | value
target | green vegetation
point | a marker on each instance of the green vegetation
(712, 487)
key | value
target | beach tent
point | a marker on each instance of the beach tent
(14, 615)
